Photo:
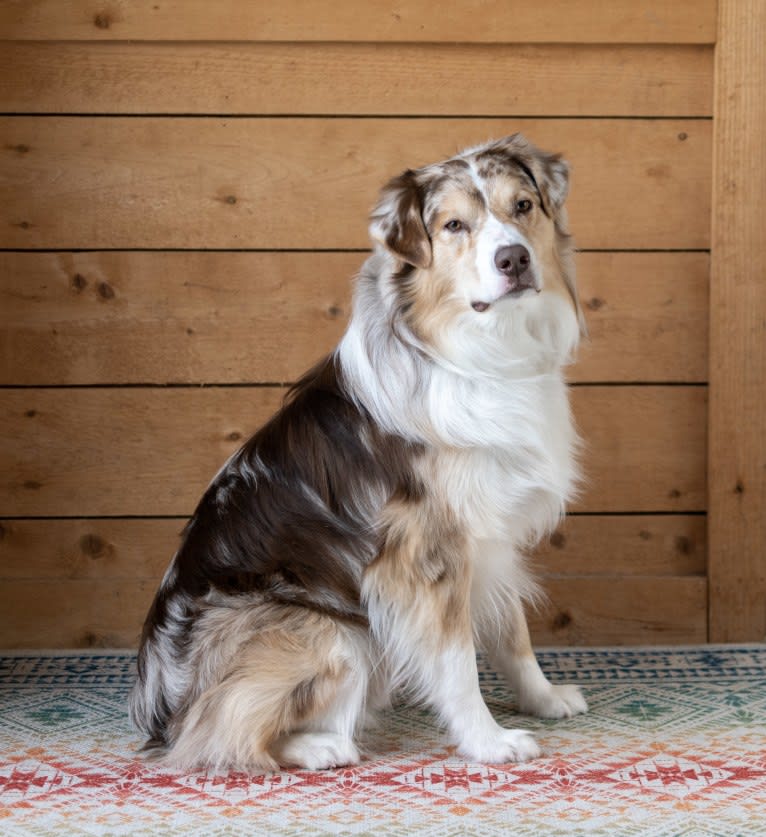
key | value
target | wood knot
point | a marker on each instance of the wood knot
(79, 282)
(102, 20)
(739, 488)
(683, 135)
(595, 303)
(234, 436)
(674, 493)
(92, 545)
(105, 290)
(33, 485)
(334, 312)
(684, 545)
(92, 640)
(30, 413)
(558, 540)
(562, 620)
(230, 199)
(645, 535)
(20, 148)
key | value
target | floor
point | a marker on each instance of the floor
(674, 744)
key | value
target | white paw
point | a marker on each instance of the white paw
(554, 702)
(316, 751)
(505, 745)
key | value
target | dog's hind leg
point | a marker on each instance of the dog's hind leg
(326, 739)
(267, 705)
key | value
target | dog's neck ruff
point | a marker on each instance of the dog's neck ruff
(478, 387)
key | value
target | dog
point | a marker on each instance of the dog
(374, 532)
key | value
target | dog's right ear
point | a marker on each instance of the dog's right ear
(397, 221)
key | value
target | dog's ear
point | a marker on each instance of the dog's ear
(552, 175)
(397, 221)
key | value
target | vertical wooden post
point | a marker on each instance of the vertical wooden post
(737, 414)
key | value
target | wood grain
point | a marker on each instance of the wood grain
(647, 317)
(106, 318)
(115, 549)
(546, 21)
(625, 545)
(309, 183)
(356, 78)
(581, 611)
(73, 614)
(644, 447)
(114, 451)
(737, 441)
(622, 611)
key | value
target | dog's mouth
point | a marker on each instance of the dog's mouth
(514, 292)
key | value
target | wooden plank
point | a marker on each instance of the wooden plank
(647, 317)
(97, 549)
(622, 611)
(82, 318)
(625, 545)
(309, 183)
(106, 318)
(73, 614)
(116, 549)
(356, 78)
(737, 442)
(546, 21)
(644, 448)
(582, 611)
(137, 451)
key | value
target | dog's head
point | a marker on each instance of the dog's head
(483, 233)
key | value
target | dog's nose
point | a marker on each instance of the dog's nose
(512, 260)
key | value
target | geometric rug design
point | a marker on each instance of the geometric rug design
(674, 744)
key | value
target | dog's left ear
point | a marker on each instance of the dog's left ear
(397, 221)
(552, 175)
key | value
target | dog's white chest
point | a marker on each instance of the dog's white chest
(517, 486)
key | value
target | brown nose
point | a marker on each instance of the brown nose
(512, 260)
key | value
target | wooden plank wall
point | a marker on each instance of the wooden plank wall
(183, 199)
(737, 428)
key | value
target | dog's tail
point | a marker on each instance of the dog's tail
(161, 681)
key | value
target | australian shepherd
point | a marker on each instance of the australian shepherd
(373, 533)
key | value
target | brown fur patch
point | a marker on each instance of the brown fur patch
(401, 222)
(424, 567)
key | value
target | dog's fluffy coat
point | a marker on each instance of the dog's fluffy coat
(373, 533)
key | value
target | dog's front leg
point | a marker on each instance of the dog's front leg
(511, 653)
(418, 597)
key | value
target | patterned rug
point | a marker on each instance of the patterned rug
(674, 744)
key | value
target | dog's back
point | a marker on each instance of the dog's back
(287, 525)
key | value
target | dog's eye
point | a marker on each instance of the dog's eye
(454, 225)
(523, 206)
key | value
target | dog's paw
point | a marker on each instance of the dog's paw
(505, 745)
(555, 702)
(316, 751)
